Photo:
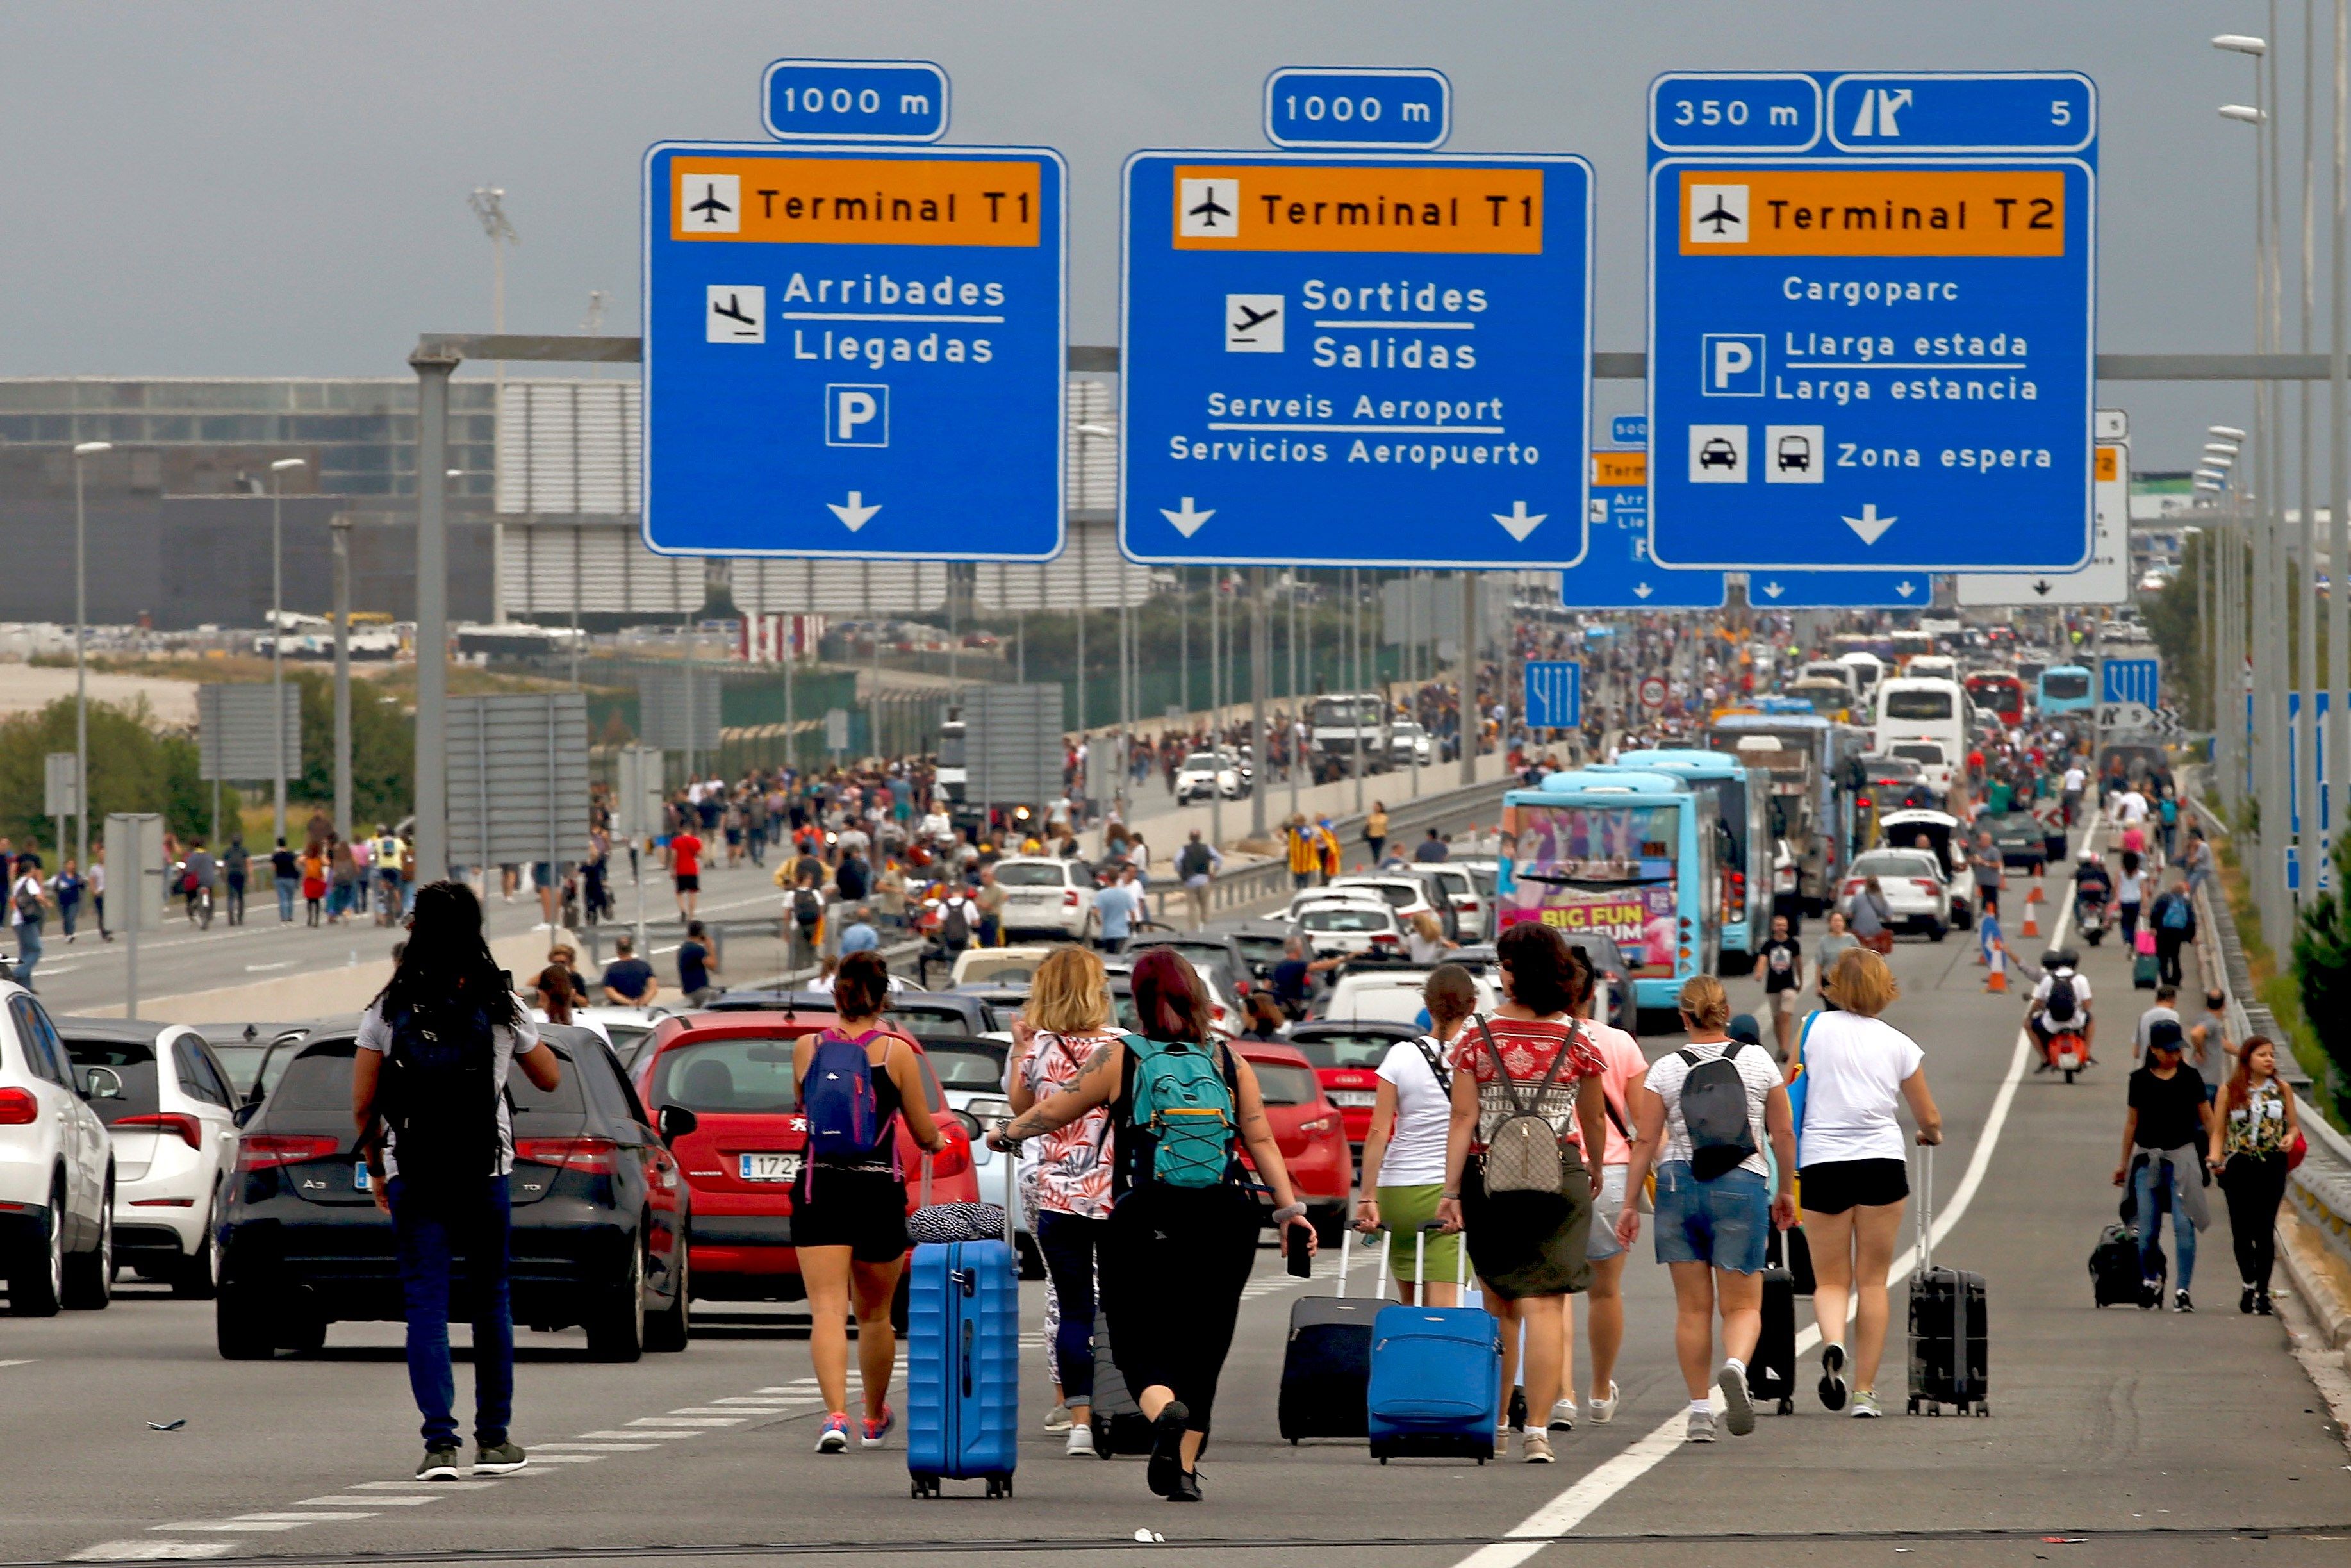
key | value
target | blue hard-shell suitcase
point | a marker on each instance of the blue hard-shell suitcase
(963, 1373)
(1437, 1382)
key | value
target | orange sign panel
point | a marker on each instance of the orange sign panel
(1621, 469)
(856, 200)
(1873, 212)
(1413, 207)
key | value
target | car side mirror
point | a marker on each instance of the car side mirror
(243, 1114)
(101, 1083)
(676, 1122)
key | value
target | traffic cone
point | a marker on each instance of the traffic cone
(2033, 910)
(1997, 981)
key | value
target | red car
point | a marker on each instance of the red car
(1346, 1057)
(1306, 1126)
(733, 1072)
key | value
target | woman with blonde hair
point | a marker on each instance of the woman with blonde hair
(1856, 1068)
(1425, 941)
(1705, 1131)
(1066, 1184)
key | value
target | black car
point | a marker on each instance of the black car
(2021, 841)
(600, 1211)
(1209, 950)
(242, 1049)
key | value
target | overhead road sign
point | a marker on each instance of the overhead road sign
(854, 101)
(2130, 681)
(2106, 580)
(1871, 320)
(1554, 694)
(1616, 572)
(1356, 360)
(855, 350)
(1840, 590)
(1329, 108)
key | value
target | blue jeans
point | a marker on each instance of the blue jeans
(1071, 1245)
(29, 951)
(478, 1224)
(288, 886)
(2147, 1181)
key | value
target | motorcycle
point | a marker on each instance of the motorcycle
(2068, 1048)
(2090, 917)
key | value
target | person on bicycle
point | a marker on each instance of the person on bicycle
(197, 878)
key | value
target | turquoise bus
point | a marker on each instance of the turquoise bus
(1742, 800)
(1803, 786)
(2066, 688)
(1631, 855)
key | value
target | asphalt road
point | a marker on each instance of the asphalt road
(2127, 1437)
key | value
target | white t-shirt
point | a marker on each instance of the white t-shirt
(1756, 1069)
(2131, 888)
(1415, 1155)
(1857, 1066)
(2131, 806)
(2081, 994)
(1424, 949)
(376, 1035)
(28, 886)
(2075, 779)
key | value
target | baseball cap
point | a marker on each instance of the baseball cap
(2164, 1034)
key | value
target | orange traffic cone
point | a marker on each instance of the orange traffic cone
(2033, 910)
(1997, 981)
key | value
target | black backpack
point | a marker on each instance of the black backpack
(439, 1096)
(1714, 1113)
(1194, 861)
(955, 927)
(2062, 1002)
(807, 907)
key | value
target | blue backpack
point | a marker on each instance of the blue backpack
(1181, 1097)
(837, 1098)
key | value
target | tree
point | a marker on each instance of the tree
(383, 751)
(134, 765)
(2322, 965)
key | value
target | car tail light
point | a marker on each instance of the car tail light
(1070, 898)
(1386, 939)
(264, 1151)
(1924, 885)
(190, 1131)
(18, 1108)
(592, 1156)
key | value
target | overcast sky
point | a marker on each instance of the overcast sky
(267, 188)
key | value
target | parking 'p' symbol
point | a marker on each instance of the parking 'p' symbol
(856, 415)
(1733, 364)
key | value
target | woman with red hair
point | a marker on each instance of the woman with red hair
(1183, 1227)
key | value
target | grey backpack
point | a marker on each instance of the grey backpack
(1522, 1153)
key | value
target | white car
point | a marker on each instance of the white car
(1045, 894)
(1352, 927)
(56, 1168)
(625, 1030)
(1409, 745)
(1454, 887)
(173, 1123)
(1916, 896)
(1204, 774)
(1306, 897)
(1405, 893)
(1390, 995)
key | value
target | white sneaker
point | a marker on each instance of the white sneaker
(1082, 1442)
(1057, 1419)
(1562, 1416)
(1604, 1410)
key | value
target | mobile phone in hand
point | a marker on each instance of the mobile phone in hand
(1295, 1245)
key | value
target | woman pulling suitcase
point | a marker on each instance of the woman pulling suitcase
(1182, 1231)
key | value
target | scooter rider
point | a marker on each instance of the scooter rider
(2094, 889)
(2059, 1004)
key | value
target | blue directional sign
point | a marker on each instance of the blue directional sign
(1355, 361)
(1840, 590)
(1554, 694)
(2130, 681)
(1871, 320)
(1629, 430)
(1616, 572)
(854, 101)
(855, 350)
(1327, 108)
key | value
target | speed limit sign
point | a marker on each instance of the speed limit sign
(1653, 691)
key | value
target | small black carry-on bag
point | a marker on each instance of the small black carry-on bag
(1947, 1334)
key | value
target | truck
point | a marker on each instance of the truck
(1794, 748)
(1345, 726)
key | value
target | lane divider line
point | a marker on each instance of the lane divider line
(1550, 1523)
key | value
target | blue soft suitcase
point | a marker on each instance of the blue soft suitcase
(1436, 1381)
(963, 1372)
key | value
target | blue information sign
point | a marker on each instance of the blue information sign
(854, 101)
(1840, 590)
(2130, 681)
(1554, 694)
(1355, 361)
(1616, 572)
(1871, 320)
(1316, 107)
(855, 351)
(1629, 430)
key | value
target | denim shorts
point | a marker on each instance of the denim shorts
(1724, 1222)
(1607, 1205)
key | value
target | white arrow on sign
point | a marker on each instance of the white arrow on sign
(1869, 525)
(856, 514)
(1519, 521)
(1774, 590)
(2126, 715)
(1187, 522)
(1642, 590)
(1906, 589)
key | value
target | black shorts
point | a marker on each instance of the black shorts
(1834, 1185)
(690, 883)
(864, 1211)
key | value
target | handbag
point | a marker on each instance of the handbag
(1800, 1086)
(2296, 1152)
(937, 1222)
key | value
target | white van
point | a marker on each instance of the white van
(1928, 721)
(1868, 669)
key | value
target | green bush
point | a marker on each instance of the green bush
(133, 767)
(2322, 967)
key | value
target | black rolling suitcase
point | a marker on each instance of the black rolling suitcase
(1326, 1365)
(1772, 1370)
(2113, 1268)
(1948, 1331)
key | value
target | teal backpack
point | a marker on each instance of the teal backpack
(1181, 1097)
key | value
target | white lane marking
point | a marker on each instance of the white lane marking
(27, 1361)
(1578, 1503)
(641, 1432)
(537, 1456)
(151, 1550)
(367, 1501)
(679, 1418)
(766, 1402)
(539, 1448)
(302, 1517)
(264, 969)
(420, 1486)
(247, 1528)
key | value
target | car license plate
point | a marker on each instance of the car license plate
(769, 1168)
(1354, 1097)
(359, 1177)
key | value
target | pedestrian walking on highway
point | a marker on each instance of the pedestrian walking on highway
(1525, 1198)
(1625, 1069)
(2166, 1009)
(1868, 918)
(1182, 1231)
(627, 980)
(286, 874)
(2173, 920)
(1835, 945)
(98, 891)
(1703, 1116)
(848, 1209)
(67, 888)
(2166, 1132)
(2255, 1126)
(557, 987)
(1376, 830)
(428, 1098)
(1404, 1152)
(1857, 1070)
(2212, 1050)
(1117, 907)
(686, 872)
(697, 977)
(1305, 853)
(2130, 895)
(1197, 863)
(1064, 1022)
(1782, 965)
(235, 863)
(29, 906)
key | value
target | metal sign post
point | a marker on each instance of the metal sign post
(134, 860)
(61, 795)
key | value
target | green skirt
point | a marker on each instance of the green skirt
(1403, 1210)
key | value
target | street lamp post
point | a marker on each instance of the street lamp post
(277, 472)
(81, 674)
